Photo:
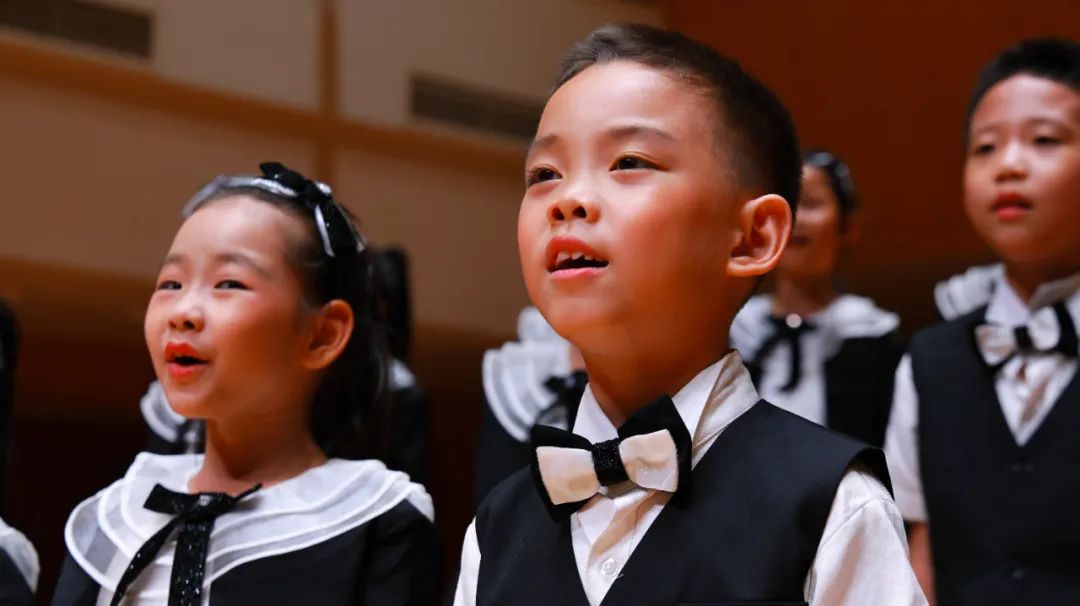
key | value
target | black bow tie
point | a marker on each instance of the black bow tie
(607, 462)
(788, 330)
(195, 514)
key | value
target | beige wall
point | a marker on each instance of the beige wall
(102, 173)
(98, 185)
(508, 46)
(459, 229)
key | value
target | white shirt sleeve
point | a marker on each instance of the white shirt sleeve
(902, 446)
(863, 555)
(465, 595)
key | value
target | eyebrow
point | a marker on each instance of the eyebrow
(224, 258)
(1034, 120)
(627, 131)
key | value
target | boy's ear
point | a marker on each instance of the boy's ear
(763, 230)
(331, 328)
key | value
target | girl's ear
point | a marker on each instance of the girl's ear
(331, 329)
(763, 230)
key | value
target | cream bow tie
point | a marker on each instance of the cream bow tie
(1050, 329)
(653, 451)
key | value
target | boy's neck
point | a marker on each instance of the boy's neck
(801, 297)
(242, 453)
(625, 381)
(1025, 280)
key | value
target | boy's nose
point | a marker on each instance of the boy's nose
(573, 206)
(1012, 164)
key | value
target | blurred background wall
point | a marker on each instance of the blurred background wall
(113, 112)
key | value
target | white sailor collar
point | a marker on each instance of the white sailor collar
(965, 292)
(514, 375)
(22, 554)
(104, 532)
(847, 317)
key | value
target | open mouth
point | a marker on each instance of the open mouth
(187, 361)
(183, 356)
(565, 260)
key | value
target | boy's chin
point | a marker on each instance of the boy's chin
(578, 322)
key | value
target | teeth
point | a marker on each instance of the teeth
(562, 256)
(578, 255)
(588, 258)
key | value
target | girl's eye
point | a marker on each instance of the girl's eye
(168, 285)
(540, 174)
(1046, 140)
(632, 163)
(231, 285)
(983, 149)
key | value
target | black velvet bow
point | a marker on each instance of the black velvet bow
(661, 414)
(338, 235)
(195, 514)
(782, 332)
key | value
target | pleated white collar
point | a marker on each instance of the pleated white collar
(104, 532)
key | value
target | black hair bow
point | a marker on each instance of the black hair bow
(338, 236)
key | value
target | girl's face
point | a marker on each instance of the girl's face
(814, 249)
(225, 326)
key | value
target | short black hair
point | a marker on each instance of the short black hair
(1055, 59)
(758, 129)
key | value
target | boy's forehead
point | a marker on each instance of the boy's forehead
(608, 95)
(1028, 96)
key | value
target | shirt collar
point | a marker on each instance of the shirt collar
(1007, 308)
(708, 403)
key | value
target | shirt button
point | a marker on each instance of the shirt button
(608, 567)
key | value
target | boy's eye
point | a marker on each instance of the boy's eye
(168, 285)
(1046, 140)
(540, 174)
(982, 149)
(231, 285)
(632, 163)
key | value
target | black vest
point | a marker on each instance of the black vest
(1004, 521)
(859, 386)
(748, 532)
(859, 381)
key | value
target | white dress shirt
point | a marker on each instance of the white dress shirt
(1027, 387)
(862, 558)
